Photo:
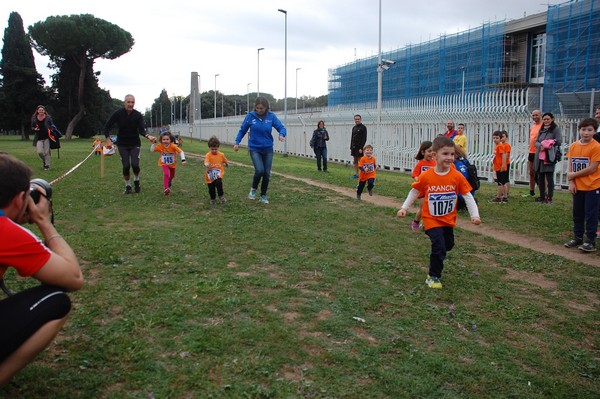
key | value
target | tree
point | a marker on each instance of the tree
(21, 84)
(81, 39)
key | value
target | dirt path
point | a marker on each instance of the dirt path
(510, 237)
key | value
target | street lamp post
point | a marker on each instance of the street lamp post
(379, 81)
(215, 113)
(248, 98)
(222, 105)
(297, 69)
(285, 152)
(258, 71)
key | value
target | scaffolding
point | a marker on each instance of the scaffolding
(469, 61)
(572, 52)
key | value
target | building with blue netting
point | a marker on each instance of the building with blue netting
(556, 52)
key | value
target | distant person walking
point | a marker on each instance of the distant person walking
(318, 143)
(547, 146)
(357, 142)
(41, 125)
(534, 130)
(261, 123)
(130, 124)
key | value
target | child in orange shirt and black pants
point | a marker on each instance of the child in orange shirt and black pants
(214, 162)
(440, 187)
(366, 175)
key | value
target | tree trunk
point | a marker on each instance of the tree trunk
(82, 68)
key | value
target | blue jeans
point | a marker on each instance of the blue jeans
(321, 153)
(262, 161)
(442, 241)
(585, 214)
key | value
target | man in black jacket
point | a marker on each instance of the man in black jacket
(131, 126)
(357, 142)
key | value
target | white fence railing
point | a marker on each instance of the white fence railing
(405, 124)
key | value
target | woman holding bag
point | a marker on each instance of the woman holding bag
(318, 143)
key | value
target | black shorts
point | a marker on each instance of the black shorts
(24, 313)
(531, 157)
(502, 177)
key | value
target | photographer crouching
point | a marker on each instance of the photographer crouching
(29, 320)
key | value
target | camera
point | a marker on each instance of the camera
(37, 194)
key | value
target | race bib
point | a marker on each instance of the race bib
(578, 164)
(168, 158)
(369, 167)
(441, 204)
(213, 174)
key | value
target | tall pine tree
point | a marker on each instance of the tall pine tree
(21, 87)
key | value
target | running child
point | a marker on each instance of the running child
(97, 146)
(500, 164)
(168, 158)
(214, 162)
(426, 162)
(440, 187)
(366, 171)
(584, 184)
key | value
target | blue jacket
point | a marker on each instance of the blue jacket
(261, 136)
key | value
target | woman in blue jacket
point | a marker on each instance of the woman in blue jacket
(261, 122)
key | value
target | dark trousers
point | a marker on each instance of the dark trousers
(542, 179)
(361, 185)
(442, 241)
(321, 154)
(214, 188)
(585, 214)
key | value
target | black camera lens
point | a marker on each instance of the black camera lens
(35, 193)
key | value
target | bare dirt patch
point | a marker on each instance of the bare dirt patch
(536, 279)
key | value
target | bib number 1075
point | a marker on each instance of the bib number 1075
(442, 204)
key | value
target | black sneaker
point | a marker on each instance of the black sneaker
(587, 247)
(128, 190)
(137, 186)
(575, 242)
(46, 167)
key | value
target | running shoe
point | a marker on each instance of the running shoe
(433, 282)
(587, 247)
(167, 191)
(263, 199)
(414, 225)
(575, 242)
(128, 190)
(136, 184)
(496, 200)
(222, 199)
(252, 194)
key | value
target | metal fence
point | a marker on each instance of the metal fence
(405, 124)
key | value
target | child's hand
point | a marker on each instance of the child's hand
(401, 213)
(206, 164)
(183, 162)
(476, 221)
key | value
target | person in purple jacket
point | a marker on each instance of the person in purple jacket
(260, 122)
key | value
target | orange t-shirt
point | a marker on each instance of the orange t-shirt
(215, 163)
(422, 166)
(580, 156)
(499, 149)
(533, 134)
(168, 155)
(367, 167)
(441, 196)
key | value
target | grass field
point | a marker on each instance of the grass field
(314, 295)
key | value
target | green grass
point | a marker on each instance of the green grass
(241, 300)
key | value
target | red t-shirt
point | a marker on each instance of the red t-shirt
(441, 196)
(23, 250)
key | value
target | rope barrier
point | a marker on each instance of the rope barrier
(72, 169)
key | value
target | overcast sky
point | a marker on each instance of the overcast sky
(175, 37)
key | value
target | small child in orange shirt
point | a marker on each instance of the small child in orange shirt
(168, 158)
(426, 162)
(501, 164)
(366, 175)
(440, 187)
(97, 145)
(214, 162)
